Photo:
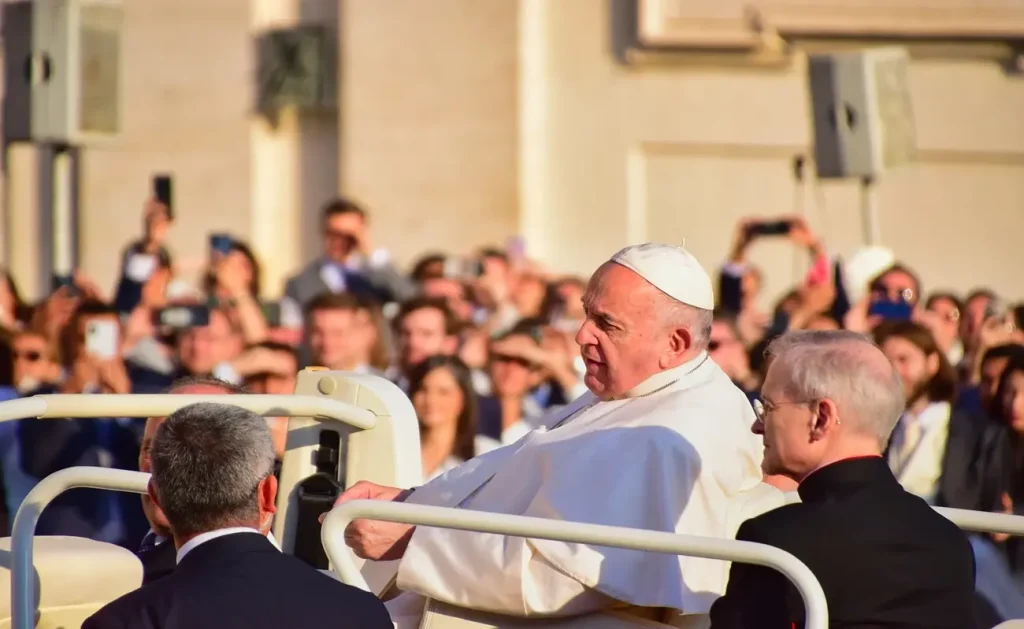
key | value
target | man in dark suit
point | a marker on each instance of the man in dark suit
(213, 479)
(157, 552)
(884, 557)
(347, 265)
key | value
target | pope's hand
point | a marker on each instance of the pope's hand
(372, 539)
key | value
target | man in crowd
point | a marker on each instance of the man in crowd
(213, 479)
(156, 552)
(338, 338)
(950, 458)
(661, 442)
(424, 327)
(348, 263)
(883, 556)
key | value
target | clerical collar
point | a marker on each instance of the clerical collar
(663, 379)
(844, 477)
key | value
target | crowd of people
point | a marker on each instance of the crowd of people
(485, 346)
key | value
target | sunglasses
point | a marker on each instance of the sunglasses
(339, 235)
(504, 358)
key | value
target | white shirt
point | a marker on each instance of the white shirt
(676, 454)
(920, 471)
(202, 538)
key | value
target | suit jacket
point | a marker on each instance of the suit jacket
(158, 562)
(240, 580)
(974, 459)
(382, 283)
(883, 556)
(973, 465)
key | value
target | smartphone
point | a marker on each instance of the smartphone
(890, 310)
(101, 338)
(452, 268)
(67, 282)
(272, 314)
(183, 317)
(770, 228)
(995, 308)
(457, 268)
(162, 192)
(474, 268)
(221, 243)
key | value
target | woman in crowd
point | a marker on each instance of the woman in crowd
(442, 394)
(233, 285)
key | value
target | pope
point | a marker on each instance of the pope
(661, 441)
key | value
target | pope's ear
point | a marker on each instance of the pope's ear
(680, 340)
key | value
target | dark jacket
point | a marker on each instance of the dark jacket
(158, 561)
(884, 557)
(51, 445)
(974, 463)
(381, 283)
(241, 581)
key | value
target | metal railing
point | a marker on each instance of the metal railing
(22, 582)
(333, 532)
(984, 522)
(333, 538)
(160, 405)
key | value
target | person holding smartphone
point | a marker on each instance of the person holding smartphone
(146, 257)
(348, 264)
(233, 286)
(93, 360)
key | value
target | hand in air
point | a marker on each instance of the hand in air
(1007, 504)
(372, 539)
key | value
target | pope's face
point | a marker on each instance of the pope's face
(621, 339)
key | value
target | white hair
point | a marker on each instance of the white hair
(675, 313)
(847, 368)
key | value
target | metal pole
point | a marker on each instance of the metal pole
(984, 522)
(333, 537)
(161, 405)
(23, 594)
(63, 225)
(870, 212)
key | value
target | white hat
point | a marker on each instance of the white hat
(672, 270)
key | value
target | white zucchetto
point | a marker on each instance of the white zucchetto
(672, 270)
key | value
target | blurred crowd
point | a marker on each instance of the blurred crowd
(483, 345)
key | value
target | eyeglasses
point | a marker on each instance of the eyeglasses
(334, 234)
(762, 408)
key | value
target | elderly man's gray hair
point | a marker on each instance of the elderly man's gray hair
(847, 368)
(208, 460)
(696, 320)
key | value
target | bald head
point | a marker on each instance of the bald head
(844, 367)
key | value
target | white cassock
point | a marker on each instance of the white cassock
(675, 455)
